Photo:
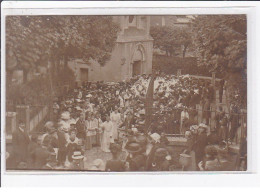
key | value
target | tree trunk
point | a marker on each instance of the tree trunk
(184, 51)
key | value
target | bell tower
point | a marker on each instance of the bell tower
(132, 54)
(136, 45)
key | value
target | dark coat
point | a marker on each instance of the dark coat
(71, 148)
(150, 157)
(137, 163)
(20, 141)
(80, 126)
(62, 152)
(115, 165)
(199, 147)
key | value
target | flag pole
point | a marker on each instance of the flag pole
(149, 103)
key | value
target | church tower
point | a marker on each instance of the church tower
(133, 52)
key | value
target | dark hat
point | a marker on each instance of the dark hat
(115, 148)
(133, 147)
(161, 153)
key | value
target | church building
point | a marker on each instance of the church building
(132, 54)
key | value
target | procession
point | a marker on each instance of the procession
(129, 115)
(111, 118)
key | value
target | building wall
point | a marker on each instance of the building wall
(133, 38)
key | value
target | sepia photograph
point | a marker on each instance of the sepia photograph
(126, 93)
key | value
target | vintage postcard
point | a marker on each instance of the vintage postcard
(125, 93)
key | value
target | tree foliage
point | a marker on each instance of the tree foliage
(32, 40)
(170, 39)
(221, 45)
(220, 41)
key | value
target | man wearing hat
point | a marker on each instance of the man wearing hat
(78, 161)
(200, 143)
(155, 144)
(161, 160)
(135, 160)
(115, 164)
(80, 126)
(20, 143)
(211, 162)
(73, 144)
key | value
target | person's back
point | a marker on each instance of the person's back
(115, 165)
(199, 146)
(20, 143)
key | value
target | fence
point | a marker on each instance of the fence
(212, 124)
(23, 113)
(37, 118)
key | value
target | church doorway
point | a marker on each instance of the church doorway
(83, 75)
(137, 68)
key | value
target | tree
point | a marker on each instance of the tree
(50, 41)
(170, 39)
(31, 38)
(221, 44)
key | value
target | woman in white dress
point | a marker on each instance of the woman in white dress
(116, 119)
(107, 136)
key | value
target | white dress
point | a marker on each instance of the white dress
(107, 136)
(116, 119)
(184, 115)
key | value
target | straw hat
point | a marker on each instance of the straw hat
(156, 137)
(77, 155)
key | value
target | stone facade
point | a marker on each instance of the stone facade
(131, 55)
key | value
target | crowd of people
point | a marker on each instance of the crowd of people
(112, 116)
